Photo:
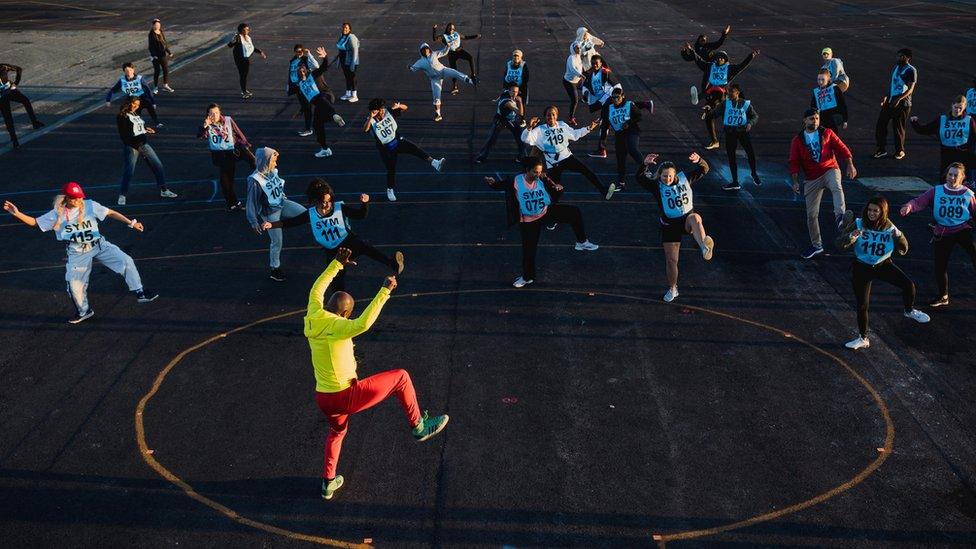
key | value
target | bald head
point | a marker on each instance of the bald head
(341, 304)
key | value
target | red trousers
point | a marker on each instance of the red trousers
(361, 395)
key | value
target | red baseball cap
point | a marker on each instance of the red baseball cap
(73, 190)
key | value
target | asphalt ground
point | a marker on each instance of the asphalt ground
(584, 411)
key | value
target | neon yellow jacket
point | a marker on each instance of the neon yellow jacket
(330, 336)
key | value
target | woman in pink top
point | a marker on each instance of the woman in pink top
(954, 208)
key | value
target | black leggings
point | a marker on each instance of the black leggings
(348, 72)
(452, 60)
(323, 111)
(243, 67)
(862, 277)
(898, 116)
(496, 127)
(943, 249)
(160, 64)
(626, 142)
(713, 99)
(557, 213)
(227, 161)
(149, 107)
(572, 90)
(8, 117)
(732, 140)
(389, 157)
(358, 247)
(304, 105)
(573, 164)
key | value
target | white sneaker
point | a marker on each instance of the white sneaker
(671, 294)
(586, 245)
(168, 88)
(155, 91)
(121, 201)
(521, 282)
(918, 316)
(708, 246)
(305, 133)
(694, 95)
(166, 193)
(338, 120)
(323, 153)
(438, 117)
(437, 164)
(858, 343)
(346, 95)
(611, 189)
(353, 98)
(390, 195)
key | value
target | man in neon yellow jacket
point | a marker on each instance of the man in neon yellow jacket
(338, 390)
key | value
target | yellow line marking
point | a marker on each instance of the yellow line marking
(103, 12)
(660, 538)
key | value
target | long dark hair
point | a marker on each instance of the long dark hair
(882, 203)
(318, 189)
(126, 106)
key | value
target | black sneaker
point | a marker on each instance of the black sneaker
(939, 301)
(733, 186)
(38, 125)
(238, 207)
(756, 180)
(480, 160)
(880, 154)
(551, 227)
(277, 274)
(82, 317)
(146, 296)
(811, 251)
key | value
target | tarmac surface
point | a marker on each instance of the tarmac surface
(584, 411)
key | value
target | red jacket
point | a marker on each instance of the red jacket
(831, 148)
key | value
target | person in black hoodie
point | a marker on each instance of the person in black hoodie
(243, 48)
(452, 38)
(598, 82)
(957, 136)
(313, 87)
(8, 93)
(717, 75)
(302, 57)
(530, 200)
(134, 133)
(624, 117)
(160, 54)
(704, 49)
(738, 118)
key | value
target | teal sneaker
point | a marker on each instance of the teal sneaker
(329, 488)
(429, 426)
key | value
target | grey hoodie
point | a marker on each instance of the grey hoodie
(430, 65)
(257, 202)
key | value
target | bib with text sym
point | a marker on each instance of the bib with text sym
(532, 202)
(80, 236)
(826, 98)
(386, 129)
(619, 115)
(950, 210)
(718, 75)
(873, 247)
(676, 199)
(513, 74)
(331, 230)
(954, 133)
(735, 117)
(132, 88)
(221, 138)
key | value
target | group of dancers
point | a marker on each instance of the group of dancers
(532, 197)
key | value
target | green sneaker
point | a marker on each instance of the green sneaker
(429, 427)
(329, 488)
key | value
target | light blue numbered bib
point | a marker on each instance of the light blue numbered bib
(132, 88)
(954, 133)
(81, 236)
(951, 210)
(513, 74)
(735, 117)
(619, 115)
(826, 98)
(873, 247)
(718, 75)
(386, 129)
(532, 202)
(222, 140)
(453, 40)
(331, 230)
(273, 187)
(309, 88)
(676, 199)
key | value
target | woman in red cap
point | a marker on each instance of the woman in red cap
(75, 221)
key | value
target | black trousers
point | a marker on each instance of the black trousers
(862, 277)
(160, 64)
(243, 67)
(572, 90)
(557, 213)
(226, 162)
(626, 143)
(898, 117)
(358, 247)
(713, 100)
(8, 116)
(348, 72)
(943, 250)
(828, 119)
(452, 60)
(573, 164)
(404, 146)
(322, 104)
(497, 125)
(304, 106)
(733, 138)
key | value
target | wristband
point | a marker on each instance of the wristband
(133, 223)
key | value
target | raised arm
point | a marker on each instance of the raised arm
(12, 209)
(132, 223)
(316, 296)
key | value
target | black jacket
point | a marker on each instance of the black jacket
(158, 45)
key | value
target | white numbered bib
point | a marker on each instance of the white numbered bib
(619, 115)
(718, 75)
(554, 140)
(950, 210)
(221, 140)
(954, 133)
(735, 117)
(873, 247)
(138, 124)
(331, 230)
(386, 129)
(273, 187)
(826, 98)
(532, 202)
(676, 199)
(81, 236)
(132, 88)
(247, 46)
(453, 40)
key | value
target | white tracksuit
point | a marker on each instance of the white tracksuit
(436, 71)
